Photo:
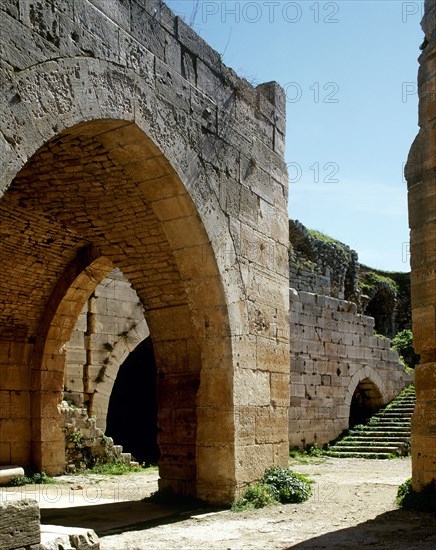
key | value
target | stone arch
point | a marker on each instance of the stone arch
(195, 161)
(366, 393)
(122, 348)
(110, 326)
(184, 320)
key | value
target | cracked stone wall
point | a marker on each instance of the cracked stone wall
(126, 143)
(420, 175)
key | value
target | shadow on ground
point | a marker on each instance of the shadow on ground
(119, 517)
(394, 530)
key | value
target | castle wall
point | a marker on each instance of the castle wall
(333, 349)
(127, 143)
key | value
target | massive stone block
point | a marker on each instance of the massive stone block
(420, 174)
(19, 524)
(125, 142)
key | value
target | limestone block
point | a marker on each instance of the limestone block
(19, 524)
(252, 387)
(424, 328)
(54, 537)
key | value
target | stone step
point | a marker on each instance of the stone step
(126, 457)
(395, 414)
(366, 449)
(338, 454)
(117, 450)
(378, 441)
(387, 433)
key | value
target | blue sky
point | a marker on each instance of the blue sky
(349, 69)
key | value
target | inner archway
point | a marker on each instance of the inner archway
(366, 401)
(104, 186)
(132, 412)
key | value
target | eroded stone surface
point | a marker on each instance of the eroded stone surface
(55, 537)
(125, 142)
(420, 176)
(19, 524)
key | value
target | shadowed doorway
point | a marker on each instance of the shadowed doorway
(367, 400)
(132, 413)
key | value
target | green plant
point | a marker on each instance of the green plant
(77, 438)
(291, 487)
(278, 485)
(403, 343)
(257, 495)
(320, 236)
(422, 501)
(29, 478)
(117, 468)
(314, 450)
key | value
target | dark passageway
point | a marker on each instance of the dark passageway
(132, 414)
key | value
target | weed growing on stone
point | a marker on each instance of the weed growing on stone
(409, 499)
(278, 486)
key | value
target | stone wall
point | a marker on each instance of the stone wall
(323, 265)
(109, 327)
(126, 143)
(334, 351)
(420, 174)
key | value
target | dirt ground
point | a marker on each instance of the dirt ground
(353, 506)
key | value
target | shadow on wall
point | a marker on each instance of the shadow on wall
(132, 414)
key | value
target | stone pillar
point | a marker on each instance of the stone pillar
(421, 178)
(14, 402)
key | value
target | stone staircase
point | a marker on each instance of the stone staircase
(387, 433)
(86, 444)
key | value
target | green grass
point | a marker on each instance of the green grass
(369, 279)
(119, 469)
(319, 236)
(310, 455)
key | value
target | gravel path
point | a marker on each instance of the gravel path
(353, 506)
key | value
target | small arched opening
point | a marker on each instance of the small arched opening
(366, 401)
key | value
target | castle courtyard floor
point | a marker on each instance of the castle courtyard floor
(352, 506)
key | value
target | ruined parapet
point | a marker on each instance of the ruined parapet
(85, 444)
(420, 175)
(321, 264)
